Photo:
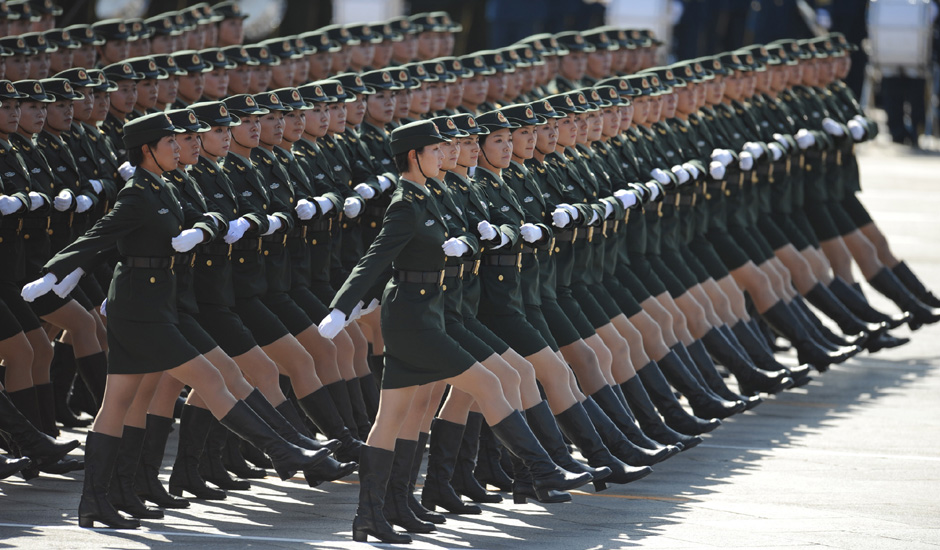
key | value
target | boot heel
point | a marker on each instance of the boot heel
(285, 474)
(519, 498)
(360, 536)
(599, 486)
(87, 523)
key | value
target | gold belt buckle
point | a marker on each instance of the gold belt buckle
(440, 277)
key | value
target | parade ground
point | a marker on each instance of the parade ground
(850, 461)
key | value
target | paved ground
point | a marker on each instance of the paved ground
(851, 461)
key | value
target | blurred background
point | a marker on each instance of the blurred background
(895, 67)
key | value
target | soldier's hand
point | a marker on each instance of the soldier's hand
(857, 130)
(332, 324)
(324, 203)
(352, 207)
(274, 223)
(62, 201)
(104, 308)
(627, 198)
(126, 170)
(371, 307)
(776, 150)
(782, 140)
(660, 176)
(187, 240)
(9, 205)
(832, 127)
(754, 149)
(384, 183)
(356, 312)
(38, 288)
(35, 200)
(717, 170)
(681, 173)
(486, 230)
(82, 204)
(236, 230)
(364, 191)
(656, 190)
(68, 283)
(96, 185)
(305, 209)
(805, 139)
(746, 161)
(561, 218)
(691, 169)
(530, 232)
(454, 247)
(723, 156)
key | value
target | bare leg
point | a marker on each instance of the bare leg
(880, 242)
(296, 363)
(17, 357)
(695, 315)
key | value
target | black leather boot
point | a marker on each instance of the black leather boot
(375, 466)
(523, 489)
(340, 395)
(444, 441)
(46, 398)
(370, 394)
(763, 358)
(463, 481)
(147, 483)
(858, 304)
(887, 283)
(360, 413)
(604, 402)
(704, 404)
(420, 511)
(489, 469)
(827, 302)
(823, 334)
(583, 425)
(396, 509)
(194, 429)
(211, 466)
(650, 421)
(545, 428)
(907, 277)
(784, 322)
(706, 367)
(639, 438)
(93, 369)
(121, 491)
(101, 452)
(28, 441)
(10, 466)
(319, 407)
(242, 459)
(62, 373)
(751, 380)
(286, 457)
(665, 400)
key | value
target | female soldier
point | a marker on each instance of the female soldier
(146, 226)
(417, 349)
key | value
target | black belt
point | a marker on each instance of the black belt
(33, 223)
(454, 271)
(471, 267)
(374, 211)
(321, 225)
(504, 260)
(567, 236)
(585, 235)
(149, 263)
(297, 232)
(685, 200)
(253, 243)
(275, 239)
(183, 259)
(526, 249)
(215, 249)
(421, 277)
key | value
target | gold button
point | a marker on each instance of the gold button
(543, 214)
(264, 207)
(500, 277)
(208, 262)
(265, 252)
(371, 224)
(422, 292)
(234, 211)
(26, 236)
(153, 280)
(49, 231)
(180, 227)
(443, 287)
(290, 200)
(557, 249)
(313, 241)
(241, 260)
(1, 239)
(344, 225)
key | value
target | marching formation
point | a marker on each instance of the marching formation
(534, 264)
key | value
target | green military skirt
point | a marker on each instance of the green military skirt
(624, 299)
(9, 326)
(195, 334)
(225, 328)
(563, 330)
(856, 210)
(140, 348)
(25, 317)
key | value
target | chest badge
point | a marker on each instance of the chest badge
(429, 223)
(163, 211)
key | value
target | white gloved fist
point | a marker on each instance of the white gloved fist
(681, 173)
(68, 283)
(627, 198)
(185, 241)
(776, 150)
(332, 324)
(560, 218)
(356, 313)
(857, 130)
(805, 139)
(96, 185)
(82, 204)
(126, 170)
(35, 200)
(717, 170)
(654, 191)
(236, 230)
(324, 203)
(104, 308)
(62, 201)
(608, 209)
(454, 247)
(486, 230)
(754, 149)
(832, 127)
(660, 176)
(782, 141)
(274, 223)
(384, 183)
(746, 161)
(9, 205)
(594, 218)
(371, 307)
(38, 287)
(364, 191)
(691, 169)
(305, 209)
(352, 207)
(530, 232)
(723, 156)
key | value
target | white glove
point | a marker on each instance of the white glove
(594, 217)
(454, 247)
(236, 230)
(38, 287)
(126, 170)
(364, 191)
(9, 205)
(754, 149)
(384, 183)
(104, 308)
(305, 209)
(654, 191)
(530, 232)
(746, 161)
(627, 198)
(572, 211)
(96, 185)
(776, 149)
(691, 169)
(832, 127)
(865, 122)
(717, 170)
(274, 223)
(723, 156)
(325, 204)
(330, 326)
(681, 173)
(486, 230)
(82, 203)
(805, 139)
(35, 200)
(823, 19)
(371, 307)
(560, 218)
(356, 313)
(68, 283)
(660, 176)
(62, 201)
(856, 129)
(185, 241)
(352, 207)
(782, 141)
(608, 209)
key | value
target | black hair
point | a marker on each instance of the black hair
(135, 155)
(401, 160)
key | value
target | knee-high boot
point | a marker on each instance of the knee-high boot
(858, 304)
(420, 511)
(45, 396)
(649, 420)
(375, 466)
(782, 320)
(463, 481)
(763, 358)
(121, 491)
(750, 379)
(359, 411)
(62, 372)
(194, 429)
(545, 428)
(678, 370)
(370, 394)
(445, 439)
(661, 394)
(10, 466)
(907, 277)
(827, 302)
(101, 453)
(396, 509)
(489, 469)
(147, 483)
(20, 418)
(211, 465)
(320, 408)
(887, 283)
(604, 402)
(93, 370)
